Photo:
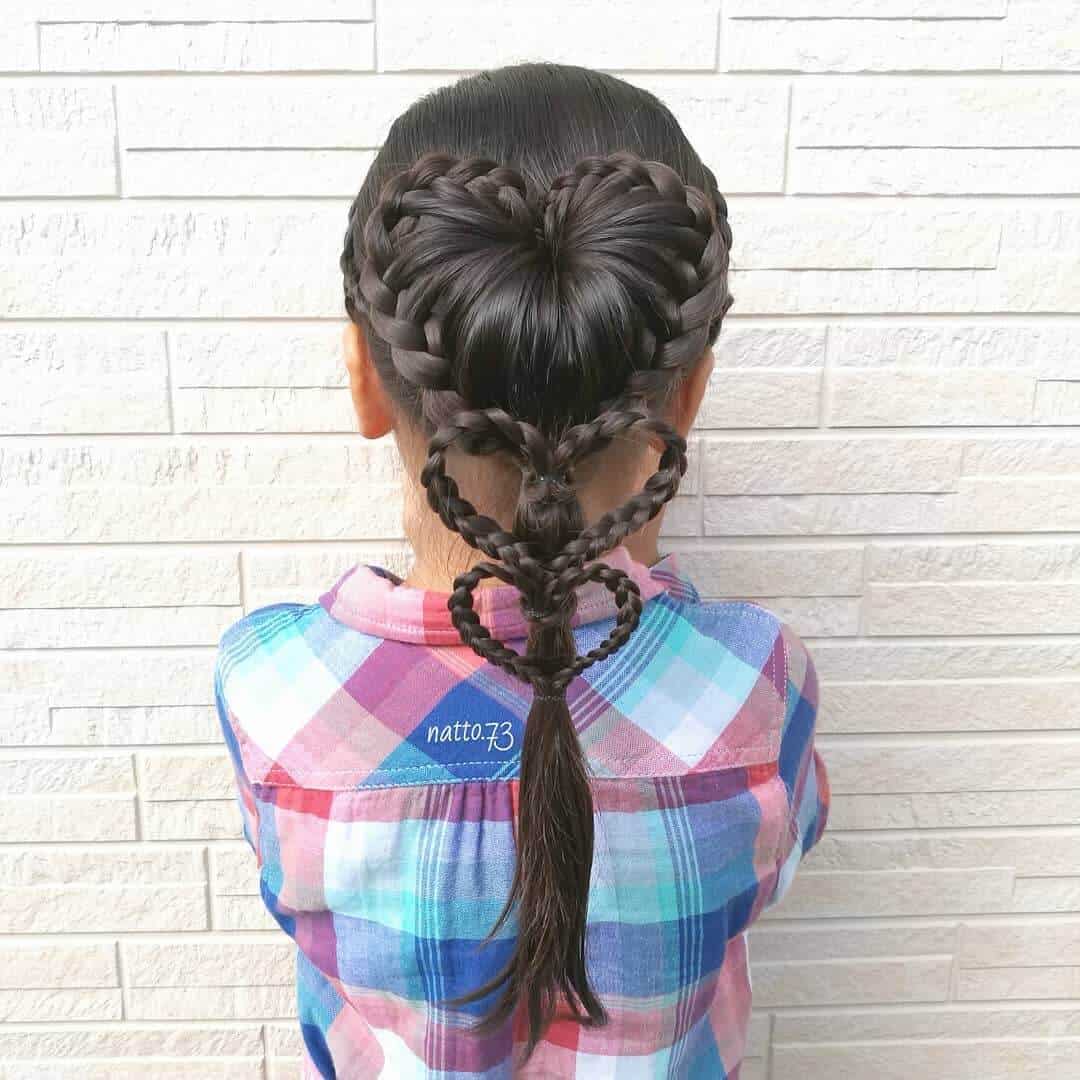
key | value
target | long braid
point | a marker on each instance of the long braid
(664, 246)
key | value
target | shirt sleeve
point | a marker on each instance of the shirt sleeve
(245, 796)
(800, 765)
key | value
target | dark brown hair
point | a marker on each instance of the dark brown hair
(538, 257)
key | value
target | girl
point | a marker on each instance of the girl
(519, 809)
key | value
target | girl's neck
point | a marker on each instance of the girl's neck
(440, 555)
(435, 566)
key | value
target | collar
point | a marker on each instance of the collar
(374, 600)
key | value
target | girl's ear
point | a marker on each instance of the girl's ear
(369, 399)
(691, 391)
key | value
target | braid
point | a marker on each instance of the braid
(442, 231)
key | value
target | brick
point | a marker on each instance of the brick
(122, 726)
(772, 466)
(105, 908)
(758, 1035)
(75, 819)
(284, 1069)
(871, 9)
(228, 173)
(1034, 503)
(283, 1041)
(1022, 1059)
(853, 45)
(18, 40)
(42, 579)
(73, 774)
(262, 512)
(192, 463)
(74, 381)
(1031, 559)
(58, 139)
(235, 356)
(304, 573)
(1044, 350)
(1046, 894)
(774, 941)
(974, 112)
(111, 677)
(287, 111)
(42, 966)
(206, 10)
(953, 810)
(971, 608)
(962, 705)
(852, 982)
(884, 661)
(935, 171)
(234, 870)
(24, 721)
(206, 775)
(769, 346)
(41, 1006)
(243, 913)
(133, 725)
(1018, 942)
(934, 1022)
(751, 398)
(1020, 454)
(826, 894)
(45, 628)
(212, 1003)
(1042, 35)
(1030, 983)
(210, 963)
(160, 288)
(717, 113)
(876, 766)
(108, 866)
(1057, 401)
(1026, 851)
(135, 1070)
(1038, 259)
(162, 262)
(190, 819)
(778, 569)
(874, 397)
(816, 616)
(885, 292)
(825, 515)
(130, 1041)
(207, 46)
(814, 235)
(303, 409)
(414, 35)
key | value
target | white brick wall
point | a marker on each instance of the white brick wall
(889, 456)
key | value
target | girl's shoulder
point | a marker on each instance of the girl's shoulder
(753, 628)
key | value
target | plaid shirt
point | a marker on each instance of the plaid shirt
(377, 759)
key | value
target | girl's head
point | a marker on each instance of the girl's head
(535, 271)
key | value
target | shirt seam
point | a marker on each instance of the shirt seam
(789, 823)
(271, 785)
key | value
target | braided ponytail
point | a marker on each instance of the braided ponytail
(463, 268)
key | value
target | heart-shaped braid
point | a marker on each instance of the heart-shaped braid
(464, 271)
